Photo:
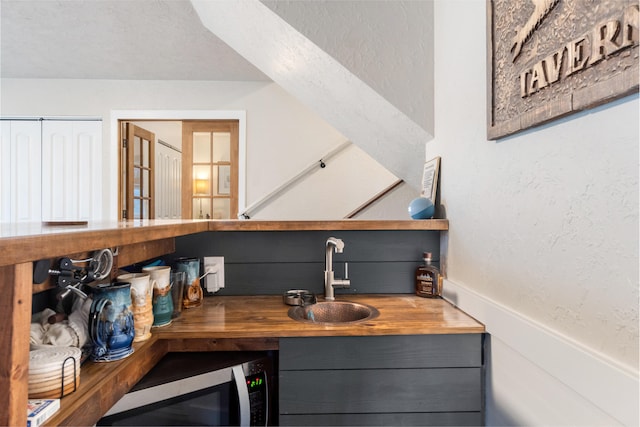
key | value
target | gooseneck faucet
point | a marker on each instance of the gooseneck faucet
(330, 281)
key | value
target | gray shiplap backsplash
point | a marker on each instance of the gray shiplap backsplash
(271, 262)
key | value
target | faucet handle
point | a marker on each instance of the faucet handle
(346, 270)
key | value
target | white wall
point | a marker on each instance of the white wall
(326, 201)
(169, 132)
(283, 136)
(544, 225)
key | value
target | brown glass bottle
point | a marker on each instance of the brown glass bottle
(428, 279)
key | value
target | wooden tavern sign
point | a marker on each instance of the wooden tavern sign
(551, 58)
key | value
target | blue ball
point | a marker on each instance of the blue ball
(421, 208)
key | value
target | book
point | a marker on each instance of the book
(40, 410)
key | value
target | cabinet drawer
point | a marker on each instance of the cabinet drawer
(399, 419)
(381, 391)
(398, 351)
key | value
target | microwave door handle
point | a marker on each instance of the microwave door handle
(243, 395)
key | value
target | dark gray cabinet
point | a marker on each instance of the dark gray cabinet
(382, 380)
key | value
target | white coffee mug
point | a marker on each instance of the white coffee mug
(141, 287)
(161, 274)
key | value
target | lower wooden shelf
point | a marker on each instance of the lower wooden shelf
(103, 384)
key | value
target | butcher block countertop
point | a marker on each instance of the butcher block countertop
(266, 316)
(226, 323)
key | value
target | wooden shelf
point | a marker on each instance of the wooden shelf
(103, 384)
(345, 224)
(29, 242)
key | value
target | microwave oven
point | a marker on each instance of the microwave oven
(202, 388)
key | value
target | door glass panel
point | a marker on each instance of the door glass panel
(136, 182)
(221, 147)
(136, 209)
(145, 153)
(202, 179)
(146, 191)
(201, 147)
(136, 151)
(214, 180)
(221, 209)
(123, 177)
(201, 207)
(224, 179)
(145, 209)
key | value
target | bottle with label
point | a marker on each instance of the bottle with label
(428, 279)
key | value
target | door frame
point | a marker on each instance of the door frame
(139, 115)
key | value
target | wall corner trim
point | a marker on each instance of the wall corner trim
(608, 385)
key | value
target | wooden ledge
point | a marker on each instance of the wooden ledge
(345, 224)
(30, 242)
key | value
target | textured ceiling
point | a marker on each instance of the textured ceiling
(114, 39)
(388, 44)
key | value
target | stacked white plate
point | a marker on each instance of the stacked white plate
(46, 367)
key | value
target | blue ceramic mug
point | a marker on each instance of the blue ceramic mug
(111, 322)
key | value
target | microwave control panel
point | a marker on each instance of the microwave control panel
(257, 386)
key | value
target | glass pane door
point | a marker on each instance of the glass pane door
(212, 168)
(139, 173)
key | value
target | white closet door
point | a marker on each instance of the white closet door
(20, 181)
(5, 171)
(168, 182)
(71, 170)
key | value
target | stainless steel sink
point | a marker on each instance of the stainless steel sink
(334, 312)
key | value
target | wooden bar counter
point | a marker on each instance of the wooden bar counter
(223, 323)
(230, 323)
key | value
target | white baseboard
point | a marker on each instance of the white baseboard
(611, 389)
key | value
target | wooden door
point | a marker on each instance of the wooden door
(210, 169)
(138, 174)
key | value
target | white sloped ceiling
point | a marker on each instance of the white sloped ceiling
(325, 84)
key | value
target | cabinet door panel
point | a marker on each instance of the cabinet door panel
(5, 171)
(402, 351)
(382, 391)
(72, 170)
(396, 419)
(21, 171)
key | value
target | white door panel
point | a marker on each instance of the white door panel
(168, 184)
(5, 171)
(21, 175)
(72, 172)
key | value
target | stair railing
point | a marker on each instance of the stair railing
(256, 206)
